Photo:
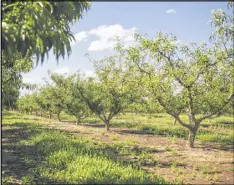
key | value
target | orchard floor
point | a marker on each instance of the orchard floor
(174, 161)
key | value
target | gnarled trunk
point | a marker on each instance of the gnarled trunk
(192, 135)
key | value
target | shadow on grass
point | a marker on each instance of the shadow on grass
(68, 121)
(140, 132)
(93, 125)
(216, 146)
(13, 163)
(37, 154)
(20, 117)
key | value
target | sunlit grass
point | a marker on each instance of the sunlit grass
(60, 157)
(218, 130)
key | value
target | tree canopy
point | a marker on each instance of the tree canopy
(192, 78)
(34, 28)
(29, 31)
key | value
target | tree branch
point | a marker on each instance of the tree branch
(218, 110)
(172, 113)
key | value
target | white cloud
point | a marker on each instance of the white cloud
(89, 73)
(27, 78)
(100, 45)
(61, 71)
(129, 38)
(106, 35)
(79, 37)
(170, 11)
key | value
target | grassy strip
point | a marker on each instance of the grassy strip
(58, 157)
(203, 135)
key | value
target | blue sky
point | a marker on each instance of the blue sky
(188, 21)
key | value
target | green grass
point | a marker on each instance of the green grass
(59, 157)
(219, 130)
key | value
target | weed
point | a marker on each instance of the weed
(158, 165)
(179, 180)
(174, 164)
(114, 137)
(173, 152)
(173, 139)
(130, 141)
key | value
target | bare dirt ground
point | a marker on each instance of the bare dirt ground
(176, 162)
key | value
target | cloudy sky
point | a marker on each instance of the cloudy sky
(188, 21)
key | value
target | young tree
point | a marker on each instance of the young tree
(110, 93)
(59, 92)
(66, 97)
(33, 103)
(22, 104)
(195, 79)
(76, 106)
(45, 99)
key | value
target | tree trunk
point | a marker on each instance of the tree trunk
(174, 121)
(192, 135)
(41, 113)
(107, 126)
(58, 115)
(77, 121)
(50, 115)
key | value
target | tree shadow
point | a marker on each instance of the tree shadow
(15, 154)
(68, 121)
(93, 125)
(140, 132)
(215, 146)
(13, 163)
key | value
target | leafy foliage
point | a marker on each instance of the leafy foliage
(12, 69)
(34, 28)
(154, 75)
(193, 78)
